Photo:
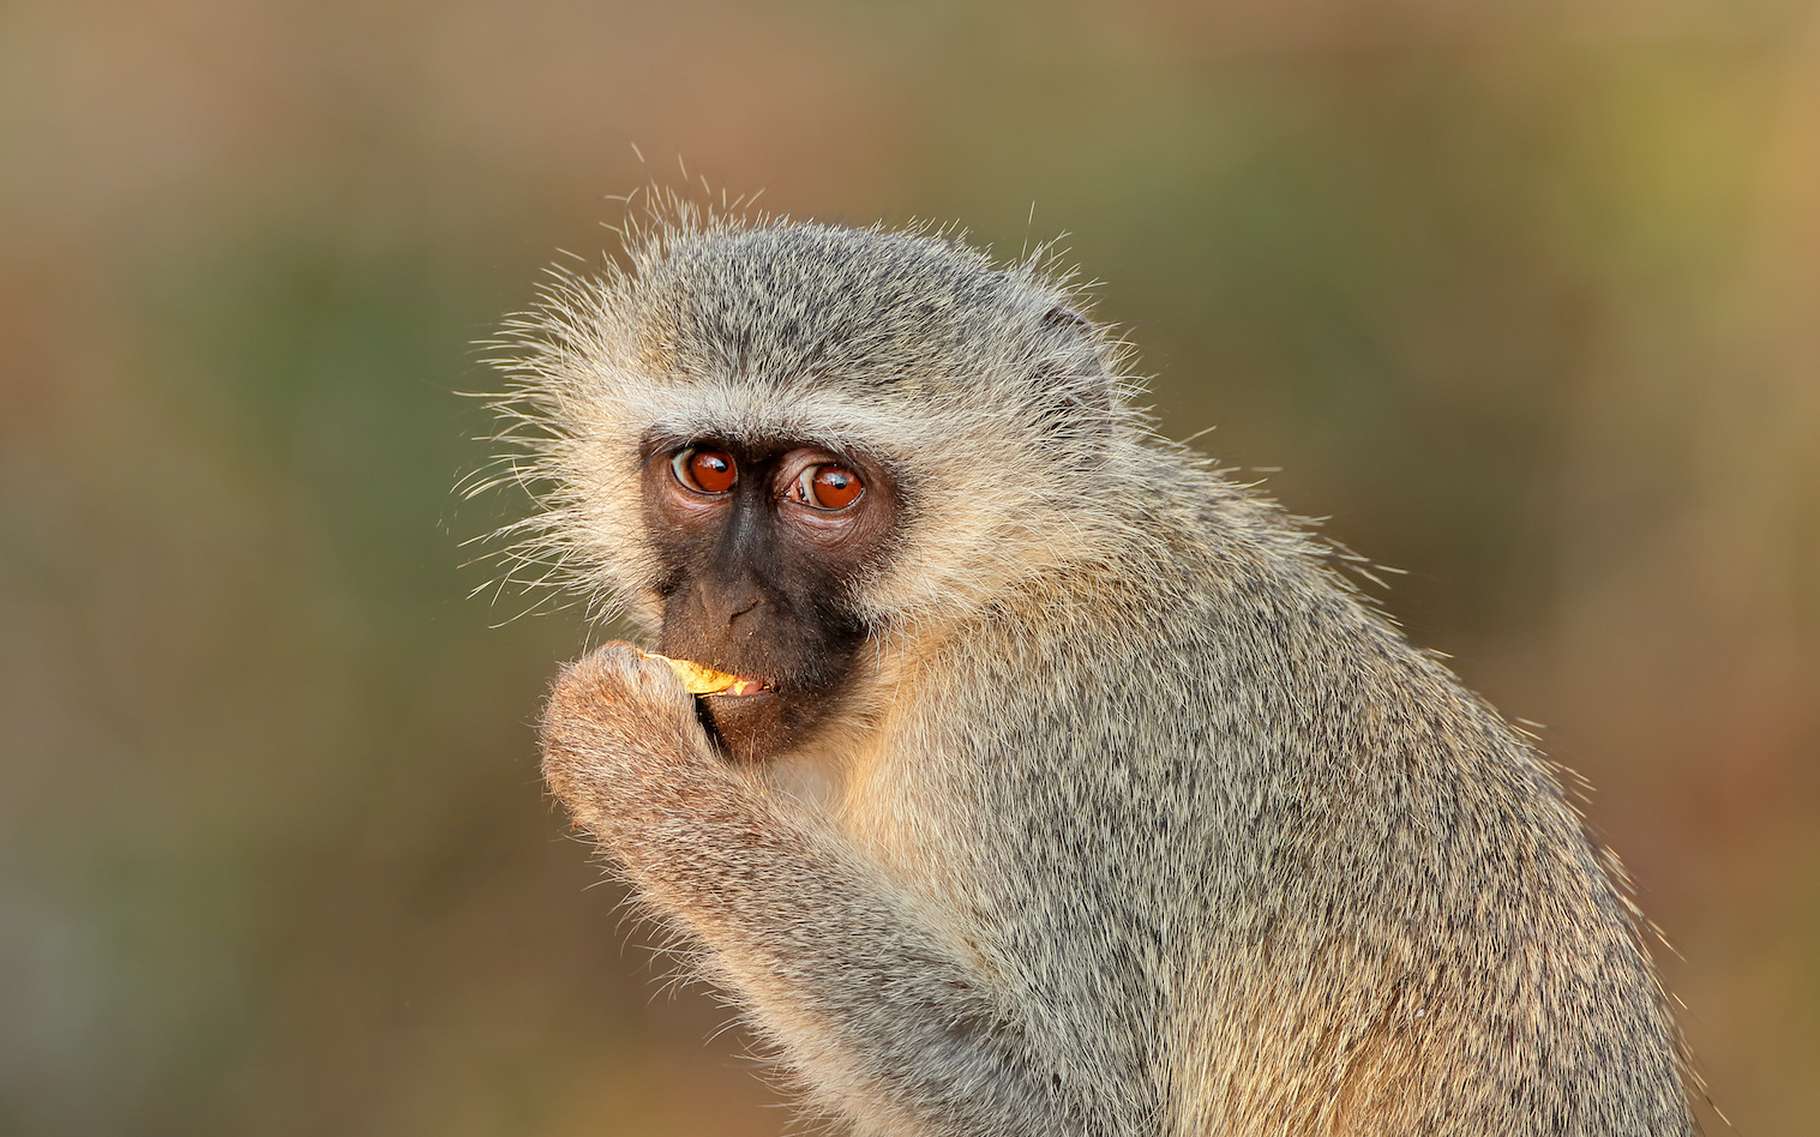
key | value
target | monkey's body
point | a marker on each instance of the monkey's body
(1362, 906)
(1130, 818)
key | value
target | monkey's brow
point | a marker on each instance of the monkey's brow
(753, 440)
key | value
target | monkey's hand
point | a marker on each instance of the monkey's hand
(622, 747)
(856, 979)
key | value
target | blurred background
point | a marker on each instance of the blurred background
(1527, 301)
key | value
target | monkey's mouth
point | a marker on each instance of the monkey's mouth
(708, 682)
(752, 714)
(745, 687)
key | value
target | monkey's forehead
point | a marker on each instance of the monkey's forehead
(814, 411)
(848, 307)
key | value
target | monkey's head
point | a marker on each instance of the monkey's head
(778, 446)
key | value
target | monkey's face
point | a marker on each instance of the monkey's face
(759, 545)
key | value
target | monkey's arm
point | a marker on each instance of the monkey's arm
(844, 970)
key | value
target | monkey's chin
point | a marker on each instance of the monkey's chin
(750, 728)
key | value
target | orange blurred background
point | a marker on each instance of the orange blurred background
(1528, 303)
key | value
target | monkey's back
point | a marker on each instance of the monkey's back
(1269, 868)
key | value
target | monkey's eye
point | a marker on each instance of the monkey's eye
(827, 485)
(704, 470)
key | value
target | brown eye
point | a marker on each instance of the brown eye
(705, 471)
(828, 486)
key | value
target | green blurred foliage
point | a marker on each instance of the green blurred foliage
(1525, 299)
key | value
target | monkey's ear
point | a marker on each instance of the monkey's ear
(1074, 375)
(1068, 320)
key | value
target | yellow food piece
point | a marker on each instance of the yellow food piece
(698, 679)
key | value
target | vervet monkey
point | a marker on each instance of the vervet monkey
(1074, 792)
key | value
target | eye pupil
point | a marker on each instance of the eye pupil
(706, 471)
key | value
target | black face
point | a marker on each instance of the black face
(758, 544)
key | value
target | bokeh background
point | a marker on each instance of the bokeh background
(1526, 298)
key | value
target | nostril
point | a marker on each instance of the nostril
(741, 609)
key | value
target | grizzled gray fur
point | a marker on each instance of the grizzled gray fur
(1135, 818)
